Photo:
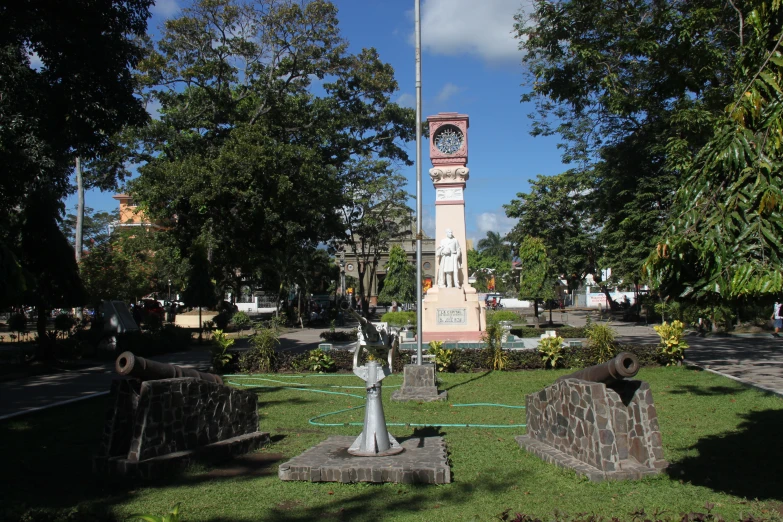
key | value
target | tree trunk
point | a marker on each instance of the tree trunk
(535, 312)
(613, 305)
(550, 315)
(44, 351)
(200, 326)
(79, 221)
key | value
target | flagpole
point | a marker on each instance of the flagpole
(419, 232)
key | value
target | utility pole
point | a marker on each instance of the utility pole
(79, 219)
(419, 232)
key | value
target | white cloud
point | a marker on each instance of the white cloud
(406, 100)
(483, 28)
(35, 60)
(153, 108)
(495, 222)
(447, 92)
(165, 8)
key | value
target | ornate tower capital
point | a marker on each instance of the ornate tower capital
(448, 139)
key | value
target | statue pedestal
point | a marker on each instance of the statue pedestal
(419, 385)
(453, 314)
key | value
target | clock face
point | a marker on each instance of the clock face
(448, 139)
(349, 267)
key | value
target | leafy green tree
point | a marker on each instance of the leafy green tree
(374, 213)
(724, 238)
(48, 259)
(69, 104)
(247, 155)
(400, 282)
(554, 210)
(95, 228)
(633, 89)
(200, 289)
(537, 279)
(494, 246)
(484, 266)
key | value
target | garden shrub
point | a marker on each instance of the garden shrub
(494, 353)
(672, 346)
(399, 319)
(221, 344)
(320, 361)
(222, 319)
(502, 315)
(551, 350)
(64, 323)
(443, 357)
(17, 323)
(600, 337)
(241, 320)
(262, 357)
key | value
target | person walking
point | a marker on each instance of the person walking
(777, 319)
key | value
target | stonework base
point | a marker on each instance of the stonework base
(600, 431)
(419, 385)
(424, 461)
(629, 470)
(173, 463)
(453, 311)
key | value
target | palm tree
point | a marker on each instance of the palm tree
(494, 246)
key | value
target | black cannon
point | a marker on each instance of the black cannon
(146, 370)
(624, 366)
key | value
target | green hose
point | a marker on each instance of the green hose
(405, 424)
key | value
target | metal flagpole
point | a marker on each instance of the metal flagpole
(419, 232)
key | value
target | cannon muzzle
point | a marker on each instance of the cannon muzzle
(146, 370)
(624, 366)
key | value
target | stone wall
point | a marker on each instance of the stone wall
(611, 429)
(153, 418)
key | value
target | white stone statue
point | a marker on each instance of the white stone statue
(450, 254)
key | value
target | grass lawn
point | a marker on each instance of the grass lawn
(723, 440)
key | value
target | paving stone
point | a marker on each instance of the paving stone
(424, 461)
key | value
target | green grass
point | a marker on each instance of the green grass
(722, 439)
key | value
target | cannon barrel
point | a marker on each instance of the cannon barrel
(625, 365)
(146, 370)
(369, 330)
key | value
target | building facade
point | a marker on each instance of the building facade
(408, 243)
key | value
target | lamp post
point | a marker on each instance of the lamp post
(169, 290)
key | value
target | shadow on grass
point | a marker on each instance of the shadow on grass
(463, 383)
(747, 463)
(689, 389)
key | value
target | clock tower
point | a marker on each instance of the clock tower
(452, 310)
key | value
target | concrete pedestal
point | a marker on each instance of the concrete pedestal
(424, 461)
(419, 385)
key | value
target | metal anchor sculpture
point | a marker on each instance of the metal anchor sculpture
(380, 342)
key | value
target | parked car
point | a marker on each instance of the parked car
(152, 307)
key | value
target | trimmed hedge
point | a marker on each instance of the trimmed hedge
(470, 359)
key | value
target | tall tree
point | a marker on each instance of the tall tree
(724, 239)
(633, 89)
(555, 211)
(374, 213)
(246, 155)
(400, 282)
(537, 279)
(95, 229)
(200, 289)
(77, 94)
(494, 246)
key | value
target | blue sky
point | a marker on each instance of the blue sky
(471, 65)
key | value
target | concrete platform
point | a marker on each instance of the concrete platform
(630, 469)
(424, 461)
